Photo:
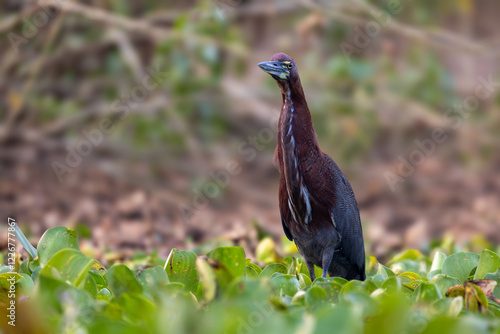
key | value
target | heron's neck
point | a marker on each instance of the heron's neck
(296, 128)
(297, 137)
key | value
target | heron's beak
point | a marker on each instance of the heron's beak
(277, 69)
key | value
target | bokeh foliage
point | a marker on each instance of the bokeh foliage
(222, 292)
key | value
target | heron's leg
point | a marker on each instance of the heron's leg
(310, 266)
(327, 259)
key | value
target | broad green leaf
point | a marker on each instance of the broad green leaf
(460, 265)
(138, 309)
(250, 273)
(392, 285)
(273, 268)
(181, 268)
(286, 284)
(99, 278)
(68, 265)
(449, 306)
(55, 239)
(330, 286)
(152, 280)
(427, 292)
(228, 264)
(315, 298)
(366, 287)
(255, 267)
(89, 285)
(443, 282)
(122, 280)
(383, 270)
(489, 262)
(433, 273)
(53, 293)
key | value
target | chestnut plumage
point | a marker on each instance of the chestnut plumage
(317, 205)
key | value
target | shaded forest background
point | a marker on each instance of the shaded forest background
(187, 158)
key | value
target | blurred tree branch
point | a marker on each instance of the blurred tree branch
(145, 27)
(360, 12)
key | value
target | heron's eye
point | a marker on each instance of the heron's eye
(290, 65)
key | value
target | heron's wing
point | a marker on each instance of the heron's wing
(345, 214)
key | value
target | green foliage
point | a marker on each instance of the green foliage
(223, 292)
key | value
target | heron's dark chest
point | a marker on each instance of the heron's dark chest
(299, 160)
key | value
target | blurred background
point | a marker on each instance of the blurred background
(148, 125)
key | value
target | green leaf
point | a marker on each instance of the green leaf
(366, 287)
(68, 265)
(250, 273)
(392, 284)
(55, 239)
(460, 265)
(489, 262)
(443, 282)
(438, 260)
(232, 259)
(104, 294)
(181, 268)
(138, 309)
(122, 280)
(410, 254)
(24, 242)
(153, 280)
(450, 307)
(427, 292)
(255, 267)
(14, 284)
(208, 279)
(273, 268)
(315, 298)
(304, 280)
(299, 299)
(286, 284)
(330, 286)
(89, 285)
